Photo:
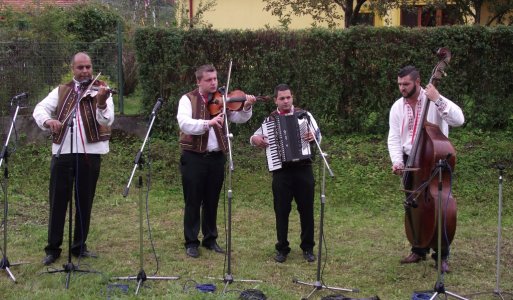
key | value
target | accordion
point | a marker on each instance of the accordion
(285, 137)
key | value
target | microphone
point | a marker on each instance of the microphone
(20, 96)
(157, 106)
(85, 83)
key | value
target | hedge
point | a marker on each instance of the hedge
(346, 78)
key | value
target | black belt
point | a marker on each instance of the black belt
(206, 154)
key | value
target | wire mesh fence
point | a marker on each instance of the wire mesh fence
(37, 68)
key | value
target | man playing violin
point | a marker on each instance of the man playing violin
(404, 124)
(295, 180)
(204, 143)
(63, 111)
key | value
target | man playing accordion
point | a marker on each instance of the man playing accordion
(293, 177)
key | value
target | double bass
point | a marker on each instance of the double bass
(430, 147)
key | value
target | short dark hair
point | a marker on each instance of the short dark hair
(409, 70)
(202, 69)
(281, 87)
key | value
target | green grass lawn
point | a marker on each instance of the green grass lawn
(364, 226)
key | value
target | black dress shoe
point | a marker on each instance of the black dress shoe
(86, 253)
(192, 252)
(215, 247)
(308, 256)
(49, 259)
(413, 258)
(444, 266)
(280, 257)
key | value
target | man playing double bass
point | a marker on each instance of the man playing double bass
(404, 124)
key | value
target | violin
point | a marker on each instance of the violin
(97, 88)
(91, 85)
(234, 101)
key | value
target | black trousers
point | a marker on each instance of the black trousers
(294, 182)
(71, 174)
(202, 181)
(418, 250)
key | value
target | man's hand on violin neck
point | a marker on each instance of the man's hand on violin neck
(250, 100)
(217, 121)
(102, 95)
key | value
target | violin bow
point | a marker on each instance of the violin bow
(225, 96)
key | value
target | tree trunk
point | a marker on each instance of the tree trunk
(348, 13)
(477, 6)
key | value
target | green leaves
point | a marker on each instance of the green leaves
(346, 78)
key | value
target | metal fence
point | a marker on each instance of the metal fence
(37, 68)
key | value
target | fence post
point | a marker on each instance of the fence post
(120, 68)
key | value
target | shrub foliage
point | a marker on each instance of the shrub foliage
(346, 78)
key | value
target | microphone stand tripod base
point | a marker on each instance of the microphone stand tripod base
(440, 289)
(4, 264)
(228, 279)
(495, 293)
(319, 286)
(69, 268)
(141, 278)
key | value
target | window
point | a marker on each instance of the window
(426, 16)
(365, 19)
(408, 17)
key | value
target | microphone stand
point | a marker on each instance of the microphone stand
(318, 285)
(439, 285)
(228, 277)
(4, 263)
(69, 267)
(497, 292)
(138, 162)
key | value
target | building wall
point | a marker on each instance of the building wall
(250, 14)
(247, 14)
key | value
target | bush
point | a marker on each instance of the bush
(346, 78)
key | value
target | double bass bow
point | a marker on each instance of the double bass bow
(430, 146)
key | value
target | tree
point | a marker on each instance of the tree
(145, 12)
(499, 10)
(196, 20)
(332, 12)
(327, 11)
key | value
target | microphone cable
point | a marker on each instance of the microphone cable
(148, 185)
